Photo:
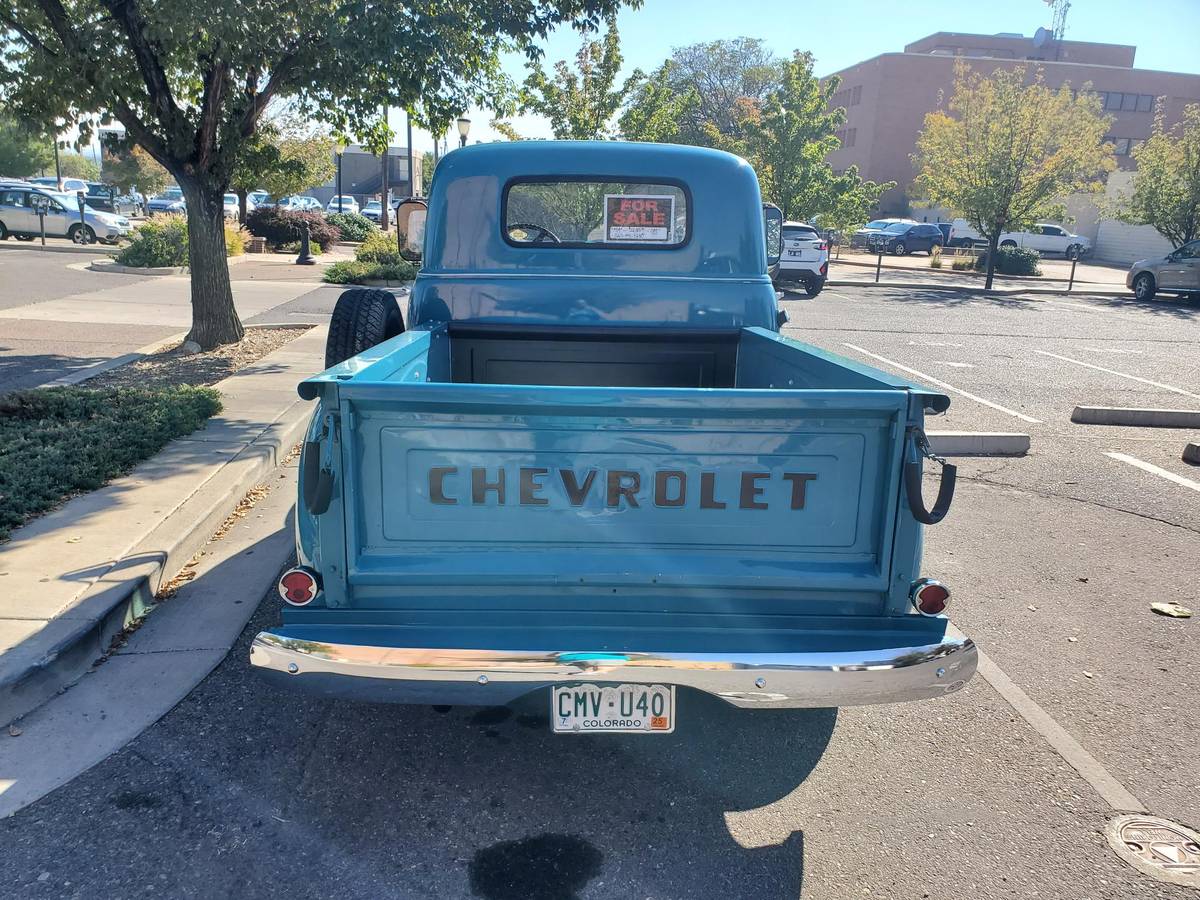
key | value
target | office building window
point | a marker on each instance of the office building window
(1145, 102)
(856, 95)
(1117, 101)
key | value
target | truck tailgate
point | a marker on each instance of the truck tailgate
(685, 499)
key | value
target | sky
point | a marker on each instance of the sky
(840, 33)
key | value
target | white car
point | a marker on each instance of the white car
(1043, 237)
(231, 206)
(348, 204)
(805, 258)
(19, 216)
(1176, 273)
(296, 202)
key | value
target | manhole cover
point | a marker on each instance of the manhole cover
(1161, 849)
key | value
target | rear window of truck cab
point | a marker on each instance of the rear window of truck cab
(581, 212)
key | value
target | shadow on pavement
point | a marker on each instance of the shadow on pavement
(242, 790)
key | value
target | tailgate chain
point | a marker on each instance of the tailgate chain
(912, 481)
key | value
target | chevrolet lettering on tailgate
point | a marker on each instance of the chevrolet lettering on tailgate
(667, 488)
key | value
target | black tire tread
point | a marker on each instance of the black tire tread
(362, 318)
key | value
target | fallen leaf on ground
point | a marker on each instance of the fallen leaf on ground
(1073, 640)
(14, 731)
(1088, 675)
(1174, 610)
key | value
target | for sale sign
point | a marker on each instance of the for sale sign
(639, 217)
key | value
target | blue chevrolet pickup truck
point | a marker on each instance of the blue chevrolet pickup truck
(584, 462)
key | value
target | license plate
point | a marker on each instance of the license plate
(641, 708)
(799, 253)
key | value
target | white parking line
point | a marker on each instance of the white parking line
(1157, 384)
(940, 383)
(954, 365)
(1155, 470)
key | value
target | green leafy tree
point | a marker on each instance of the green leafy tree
(1009, 149)
(134, 169)
(22, 152)
(659, 111)
(190, 82)
(76, 165)
(1166, 187)
(284, 158)
(704, 94)
(582, 102)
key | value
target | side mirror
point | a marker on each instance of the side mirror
(773, 228)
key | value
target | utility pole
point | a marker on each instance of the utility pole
(383, 181)
(57, 168)
(411, 184)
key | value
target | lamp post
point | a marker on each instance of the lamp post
(464, 127)
(339, 150)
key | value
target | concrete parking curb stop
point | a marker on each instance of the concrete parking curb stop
(978, 443)
(102, 556)
(1136, 416)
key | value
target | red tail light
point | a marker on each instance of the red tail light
(299, 586)
(929, 597)
(824, 268)
(822, 246)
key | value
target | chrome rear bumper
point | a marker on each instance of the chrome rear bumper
(493, 677)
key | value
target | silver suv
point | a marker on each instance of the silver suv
(19, 216)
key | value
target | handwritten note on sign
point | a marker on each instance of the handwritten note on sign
(639, 217)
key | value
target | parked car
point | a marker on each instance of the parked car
(65, 185)
(909, 237)
(232, 208)
(101, 196)
(947, 229)
(1047, 238)
(296, 202)
(805, 258)
(373, 211)
(345, 204)
(1176, 273)
(593, 470)
(1043, 237)
(258, 198)
(19, 217)
(863, 237)
(169, 201)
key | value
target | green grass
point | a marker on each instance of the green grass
(57, 442)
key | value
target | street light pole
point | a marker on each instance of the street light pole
(57, 169)
(339, 150)
(411, 184)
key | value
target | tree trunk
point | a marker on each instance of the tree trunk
(993, 242)
(214, 319)
(241, 194)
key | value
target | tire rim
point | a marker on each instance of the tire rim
(1141, 287)
(901, 249)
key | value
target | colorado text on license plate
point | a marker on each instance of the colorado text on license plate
(579, 708)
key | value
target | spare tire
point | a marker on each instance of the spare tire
(362, 318)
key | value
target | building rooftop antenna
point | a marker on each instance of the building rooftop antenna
(1058, 27)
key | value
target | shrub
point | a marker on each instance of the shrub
(160, 242)
(163, 241)
(379, 247)
(962, 263)
(294, 247)
(55, 442)
(1012, 261)
(356, 271)
(935, 258)
(352, 226)
(282, 226)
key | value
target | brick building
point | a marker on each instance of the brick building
(886, 97)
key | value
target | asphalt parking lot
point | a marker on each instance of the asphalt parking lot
(1054, 559)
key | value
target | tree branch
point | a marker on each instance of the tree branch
(162, 100)
(30, 38)
(216, 82)
(259, 101)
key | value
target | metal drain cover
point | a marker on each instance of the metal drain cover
(1163, 850)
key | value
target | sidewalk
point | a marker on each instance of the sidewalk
(76, 577)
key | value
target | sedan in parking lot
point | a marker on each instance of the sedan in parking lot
(25, 210)
(344, 203)
(909, 237)
(863, 237)
(805, 258)
(169, 201)
(373, 210)
(1176, 273)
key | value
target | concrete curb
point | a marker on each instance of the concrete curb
(1136, 416)
(100, 265)
(978, 443)
(53, 248)
(1191, 454)
(68, 644)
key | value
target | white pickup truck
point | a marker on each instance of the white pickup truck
(1043, 237)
